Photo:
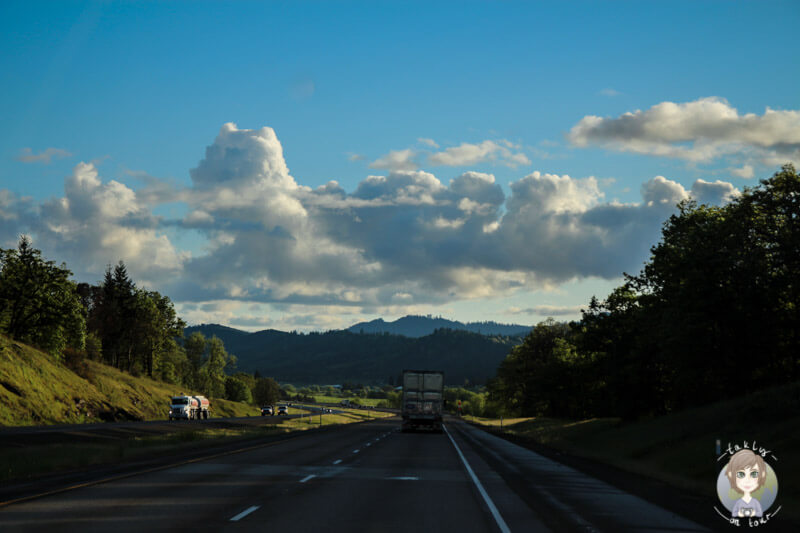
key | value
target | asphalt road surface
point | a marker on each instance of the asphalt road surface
(366, 477)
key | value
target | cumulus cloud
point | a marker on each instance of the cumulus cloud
(15, 216)
(26, 155)
(698, 131)
(401, 239)
(487, 151)
(243, 158)
(95, 224)
(716, 193)
(396, 160)
(550, 193)
(660, 190)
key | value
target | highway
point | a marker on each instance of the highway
(361, 477)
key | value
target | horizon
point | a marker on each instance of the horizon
(364, 322)
(306, 166)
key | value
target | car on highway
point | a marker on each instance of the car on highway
(267, 410)
(283, 410)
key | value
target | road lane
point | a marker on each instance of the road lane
(203, 495)
(363, 477)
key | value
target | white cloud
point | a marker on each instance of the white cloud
(396, 160)
(401, 187)
(550, 193)
(15, 214)
(661, 191)
(26, 155)
(428, 142)
(716, 193)
(610, 92)
(243, 157)
(398, 240)
(96, 224)
(746, 172)
(487, 151)
(547, 310)
(698, 131)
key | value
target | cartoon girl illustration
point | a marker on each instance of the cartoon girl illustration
(747, 473)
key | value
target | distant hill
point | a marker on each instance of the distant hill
(419, 326)
(369, 358)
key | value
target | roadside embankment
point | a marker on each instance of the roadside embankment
(678, 449)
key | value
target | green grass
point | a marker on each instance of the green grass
(346, 416)
(680, 448)
(36, 389)
(321, 398)
(20, 463)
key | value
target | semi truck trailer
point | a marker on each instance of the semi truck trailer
(423, 394)
(188, 407)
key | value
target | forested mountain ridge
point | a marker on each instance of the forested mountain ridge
(419, 326)
(338, 356)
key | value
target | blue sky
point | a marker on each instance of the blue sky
(528, 151)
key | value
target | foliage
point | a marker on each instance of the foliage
(368, 359)
(713, 315)
(39, 304)
(266, 391)
(195, 347)
(115, 322)
(212, 373)
(137, 328)
(236, 390)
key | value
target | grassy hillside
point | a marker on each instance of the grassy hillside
(35, 389)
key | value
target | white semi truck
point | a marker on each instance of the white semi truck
(423, 394)
(188, 407)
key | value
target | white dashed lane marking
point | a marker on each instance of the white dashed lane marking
(244, 513)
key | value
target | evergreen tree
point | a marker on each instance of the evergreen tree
(39, 304)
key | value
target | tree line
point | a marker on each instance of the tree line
(714, 314)
(117, 323)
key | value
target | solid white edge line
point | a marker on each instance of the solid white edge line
(308, 477)
(244, 513)
(495, 513)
